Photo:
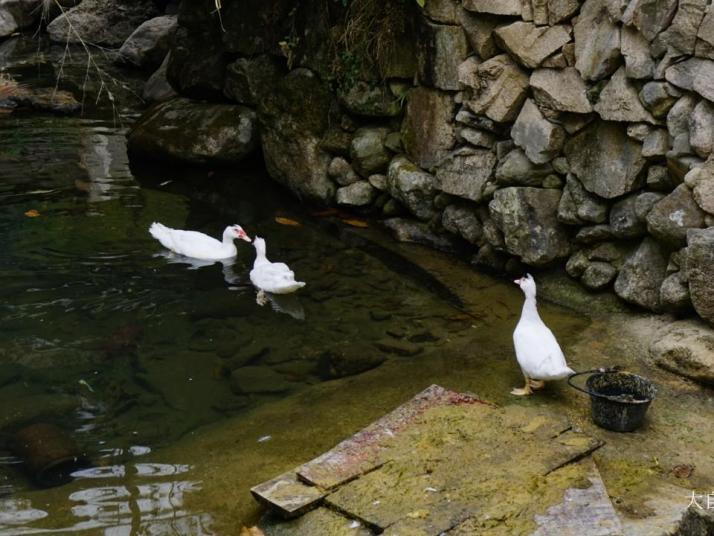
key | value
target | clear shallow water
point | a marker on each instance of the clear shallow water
(129, 350)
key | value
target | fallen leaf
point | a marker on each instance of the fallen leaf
(684, 470)
(355, 223)
(32, 213)
(286, 221)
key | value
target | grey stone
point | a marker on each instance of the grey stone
(441, 48)
(148, 45)
(656, 143)
(427, 130)
(245, 78)
(478, 138)
(444, 11)
(412, 187)
(556, 61)
(678, 118)
(552, 181)
(578, 206)
(291, 133)
(562, 90)
(527, 219)
(560, 165)
(658, 97)
(636, 51)
(561, 10)
(576, 265)
(495, 7)
(529, 44)
(606, 161)
(694, 74)
(367, 151)
(462, 221)
(157, 87)
(479, 32)
(672, 216)
(195, 132)
(699, 261)
(645, 202)
(393, 142)
(501, 91)
(466, 173)
(687, 348)
(538, 137)
(516, 169)
(598, 275)
(681, 35)
(619, 101)
(504, 147)
(378, 181)
(101, 23)
(650, 17)
(658, 178)
(704, 193)
(358, 194)
(593, 234)
(404, 230)
(467, 71)
(597, 41)
(638, 131)
(341, 171)
(489, 259)
(18, 15)
(706, 28)
(612, 252)
(624, 222)
(641, 277)
(540, 12)
(701, 128)
(369, 100)
(674, 294)
(481, 122)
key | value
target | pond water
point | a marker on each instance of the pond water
(132, 352)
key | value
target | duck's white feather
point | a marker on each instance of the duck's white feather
(537, 350)
(273, 277)
(192, 243)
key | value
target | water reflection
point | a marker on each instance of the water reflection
(134, 507)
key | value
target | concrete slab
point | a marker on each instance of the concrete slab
(287, 496)
(362, 452)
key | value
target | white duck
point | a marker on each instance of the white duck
(198, 245)
(537, 351)
(273, 277)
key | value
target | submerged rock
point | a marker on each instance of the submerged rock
(256, 380)
(404, 230)
(348, 361)
(197, 132)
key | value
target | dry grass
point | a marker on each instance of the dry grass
(10, 88)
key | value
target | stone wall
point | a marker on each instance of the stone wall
(535, 132)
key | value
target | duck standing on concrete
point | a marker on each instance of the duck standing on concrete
(198, 245)
(272, 277)
(537, 351)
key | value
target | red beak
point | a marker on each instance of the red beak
(518, 281)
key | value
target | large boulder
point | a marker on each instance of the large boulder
(538, 137)
(197, 65)
(101, 22)
(466, 173)
(527, 217)
(148, 45)
(18, 15)
(195, 132)
(597, 41)
(441, 48)
(293, 114)
(499, 90)
(606, 161)
(671, 218)
(699, 263)
(562, 90)
(157, 87)
(686, 348)
(413, 187)
(367, 151)
(530, 44)
(619, 101)
(427, 130)
(641, 277)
